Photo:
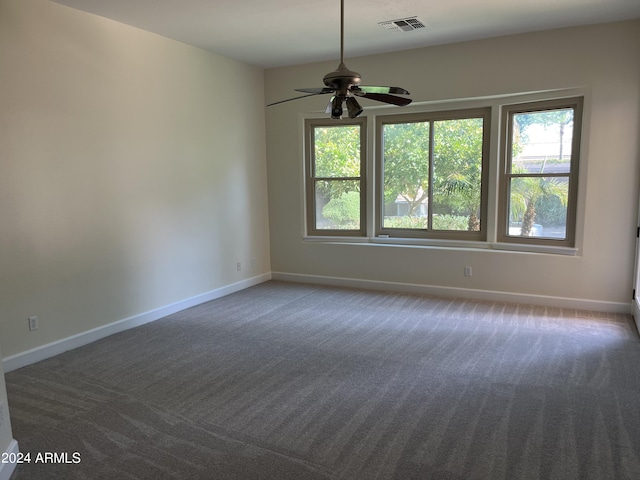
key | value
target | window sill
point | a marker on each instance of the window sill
(571, 251)
(434, 243)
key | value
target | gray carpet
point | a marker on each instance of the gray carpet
(288, 381)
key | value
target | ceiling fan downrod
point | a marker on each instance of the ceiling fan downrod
(345, 86)
(342, 78)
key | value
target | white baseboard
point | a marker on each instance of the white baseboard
(55, 348)
(490, 295)
(34, 355)
(6, 469)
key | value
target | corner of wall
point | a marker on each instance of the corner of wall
(8, 445)
(6, 469)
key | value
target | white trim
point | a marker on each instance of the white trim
(6, 469)
(513, 247)
(441, 243)
(635, 311)
(43, 352)
(491, 295)
(635, 302)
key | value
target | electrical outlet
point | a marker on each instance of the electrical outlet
(253, 263)
(239, 266)
(33, 324)
(468, 271)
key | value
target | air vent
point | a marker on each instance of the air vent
(402, 24)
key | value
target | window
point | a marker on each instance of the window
(539, 183)
(447, 178)
(432, 174)
(335, 177)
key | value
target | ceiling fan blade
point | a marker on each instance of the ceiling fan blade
(378, 89)
(290, 99)
(316, 91)
(386, 98)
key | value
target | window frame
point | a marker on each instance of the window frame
(506, 148)
(496, 104)
(485, 113)
(310, 179)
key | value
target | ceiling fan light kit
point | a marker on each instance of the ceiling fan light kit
(345, 86)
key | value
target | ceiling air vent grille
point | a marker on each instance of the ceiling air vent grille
(403, 24)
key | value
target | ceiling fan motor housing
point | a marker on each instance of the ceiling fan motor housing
(341, 79)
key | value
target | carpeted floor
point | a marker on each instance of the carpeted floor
(287, 381)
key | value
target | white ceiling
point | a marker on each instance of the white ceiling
(272, 33)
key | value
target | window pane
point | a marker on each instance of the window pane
(457, 174)
(337, 204)
(337, 151)
(538, 207)
(406, 175)
(541, 141)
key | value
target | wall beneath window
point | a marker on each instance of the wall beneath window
(132, 173)
(604, 60)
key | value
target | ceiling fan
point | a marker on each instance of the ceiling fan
(345, 85)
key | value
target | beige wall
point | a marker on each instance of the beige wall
(604, 61)
(132, 172)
